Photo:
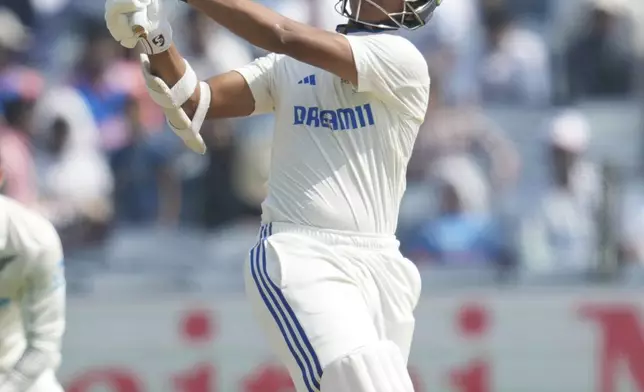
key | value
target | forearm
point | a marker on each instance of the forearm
(170, 67)
(255, 23)
(265, 28)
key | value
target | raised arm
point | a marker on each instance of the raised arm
(262, 27)
(187, 102)
(388, 66)
(265, 28)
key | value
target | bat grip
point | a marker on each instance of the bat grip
(137, 21)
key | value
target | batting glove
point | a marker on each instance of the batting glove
(133, 21)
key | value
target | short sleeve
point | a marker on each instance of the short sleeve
(393, 69)
(260, 77)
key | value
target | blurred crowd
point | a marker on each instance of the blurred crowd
(81, 141)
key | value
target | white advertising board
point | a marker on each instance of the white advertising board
(499, 341)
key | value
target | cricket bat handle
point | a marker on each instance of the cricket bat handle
(137, 21)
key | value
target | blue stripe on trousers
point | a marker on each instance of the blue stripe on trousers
(290, 311)
(262, 281)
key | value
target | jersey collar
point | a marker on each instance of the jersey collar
(355, 28)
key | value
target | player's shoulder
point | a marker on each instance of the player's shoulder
(284, 62)
(405, 51)
(25, 230)
(393, 42)
(273, 58)
(395, 49)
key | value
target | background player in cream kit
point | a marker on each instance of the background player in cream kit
(325, 279)
(32, 300)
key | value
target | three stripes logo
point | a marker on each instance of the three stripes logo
(292, 331)
(308, 80)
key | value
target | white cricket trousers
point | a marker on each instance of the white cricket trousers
(322, 294)
(47, 382)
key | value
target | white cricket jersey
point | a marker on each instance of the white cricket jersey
(32, 299)
(340, 153)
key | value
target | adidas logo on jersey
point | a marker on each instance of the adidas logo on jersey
(308, 80)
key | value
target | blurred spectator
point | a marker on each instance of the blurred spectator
(244, 166)
(515, 68)
(453, 46)
(631, 240)
(568, 142)
(75, 180)
(49, 7)
(636, 8)
(23, 9)
(466, 132)
(600, 59)
(19, 89)
(535, 11)
(251, 167)
(562, 231)
(463, 231)
(630, 221)
(206, 44)
(486, 58)
(299, 10)
(20, 176)
(106, 100)
(147, 190)
(14, 37)
(222, 203)
(124, 77)
(324, 16)
(210, 185)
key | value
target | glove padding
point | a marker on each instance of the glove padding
(171, 100)
(118, 17)
(187, 129)
(164, 96)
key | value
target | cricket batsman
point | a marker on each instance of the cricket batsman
(32, 300)
(326, 279)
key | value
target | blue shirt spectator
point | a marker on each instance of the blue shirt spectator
(462, 232)
(147, 190)
(457, 239)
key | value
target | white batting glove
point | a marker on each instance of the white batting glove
(121, 17)
(171, 100)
